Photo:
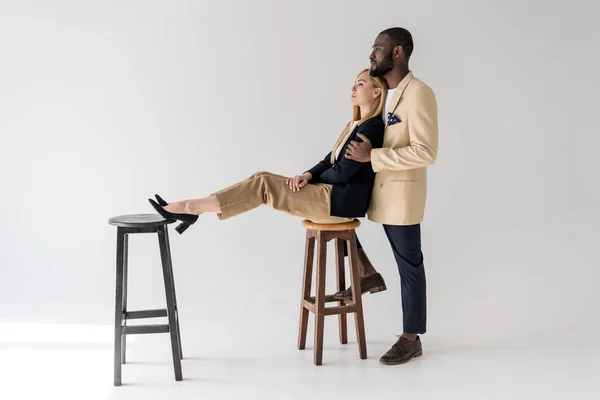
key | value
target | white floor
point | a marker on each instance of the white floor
(248, 367)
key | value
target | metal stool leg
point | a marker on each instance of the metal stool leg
(125, 273)
(174, 296)
(121, 243)
(170, 294)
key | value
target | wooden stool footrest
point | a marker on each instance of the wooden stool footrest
(328, 299)
(350, 308)
(340, 310)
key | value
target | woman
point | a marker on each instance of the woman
(333, 191)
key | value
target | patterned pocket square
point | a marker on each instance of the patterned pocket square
(392, 119)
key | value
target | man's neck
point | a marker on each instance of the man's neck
(395, 76)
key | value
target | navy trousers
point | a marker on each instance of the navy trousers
(405, 241)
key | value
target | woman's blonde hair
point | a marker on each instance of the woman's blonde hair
(378, 105)
(379, 102)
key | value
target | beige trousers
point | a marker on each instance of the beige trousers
(311, 202)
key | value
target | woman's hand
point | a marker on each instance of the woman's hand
(298, 181)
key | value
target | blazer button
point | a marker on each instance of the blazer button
(381, 185)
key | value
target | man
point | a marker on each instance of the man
(398, 198)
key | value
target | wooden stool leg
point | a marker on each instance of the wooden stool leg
(356, 296)
(341, 285)
(174, 297)
(119, 305)
(320, 298)
(124, 337)
(168, 278)
(309, 253)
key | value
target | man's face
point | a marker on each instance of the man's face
(381, 56)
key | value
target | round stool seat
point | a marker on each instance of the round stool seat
(140, 221)
(308, 224)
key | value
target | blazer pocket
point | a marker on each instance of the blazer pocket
(408, 175)
(395, 126)
(405, 176)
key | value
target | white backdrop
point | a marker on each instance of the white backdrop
(103, 104)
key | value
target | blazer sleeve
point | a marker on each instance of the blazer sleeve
(422, 122)
(342, 171)
(318, 169)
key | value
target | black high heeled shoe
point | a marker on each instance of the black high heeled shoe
(186, 219)
(163, 203)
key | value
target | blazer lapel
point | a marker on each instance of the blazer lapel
(338, 143)
(398, 94)
(344, 143)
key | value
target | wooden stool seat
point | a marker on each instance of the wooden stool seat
(343, 234)
(308, 224)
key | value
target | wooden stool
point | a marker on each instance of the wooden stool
(323, 233)
(144, 223)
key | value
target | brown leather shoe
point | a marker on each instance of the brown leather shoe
(402, 351)
(371, 284)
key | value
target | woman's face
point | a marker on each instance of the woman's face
(364, 92)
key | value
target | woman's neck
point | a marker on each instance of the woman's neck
(365, 110)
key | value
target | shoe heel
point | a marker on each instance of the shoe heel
(418, 353)
(377, 289)
(182, 227)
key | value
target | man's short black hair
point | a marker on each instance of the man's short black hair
(401, 37)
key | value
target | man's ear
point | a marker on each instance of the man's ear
(398, 50)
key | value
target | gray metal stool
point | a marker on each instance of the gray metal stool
(144, 223)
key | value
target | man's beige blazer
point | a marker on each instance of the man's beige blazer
(408, 148)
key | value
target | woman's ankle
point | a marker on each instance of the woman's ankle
(195, 207)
